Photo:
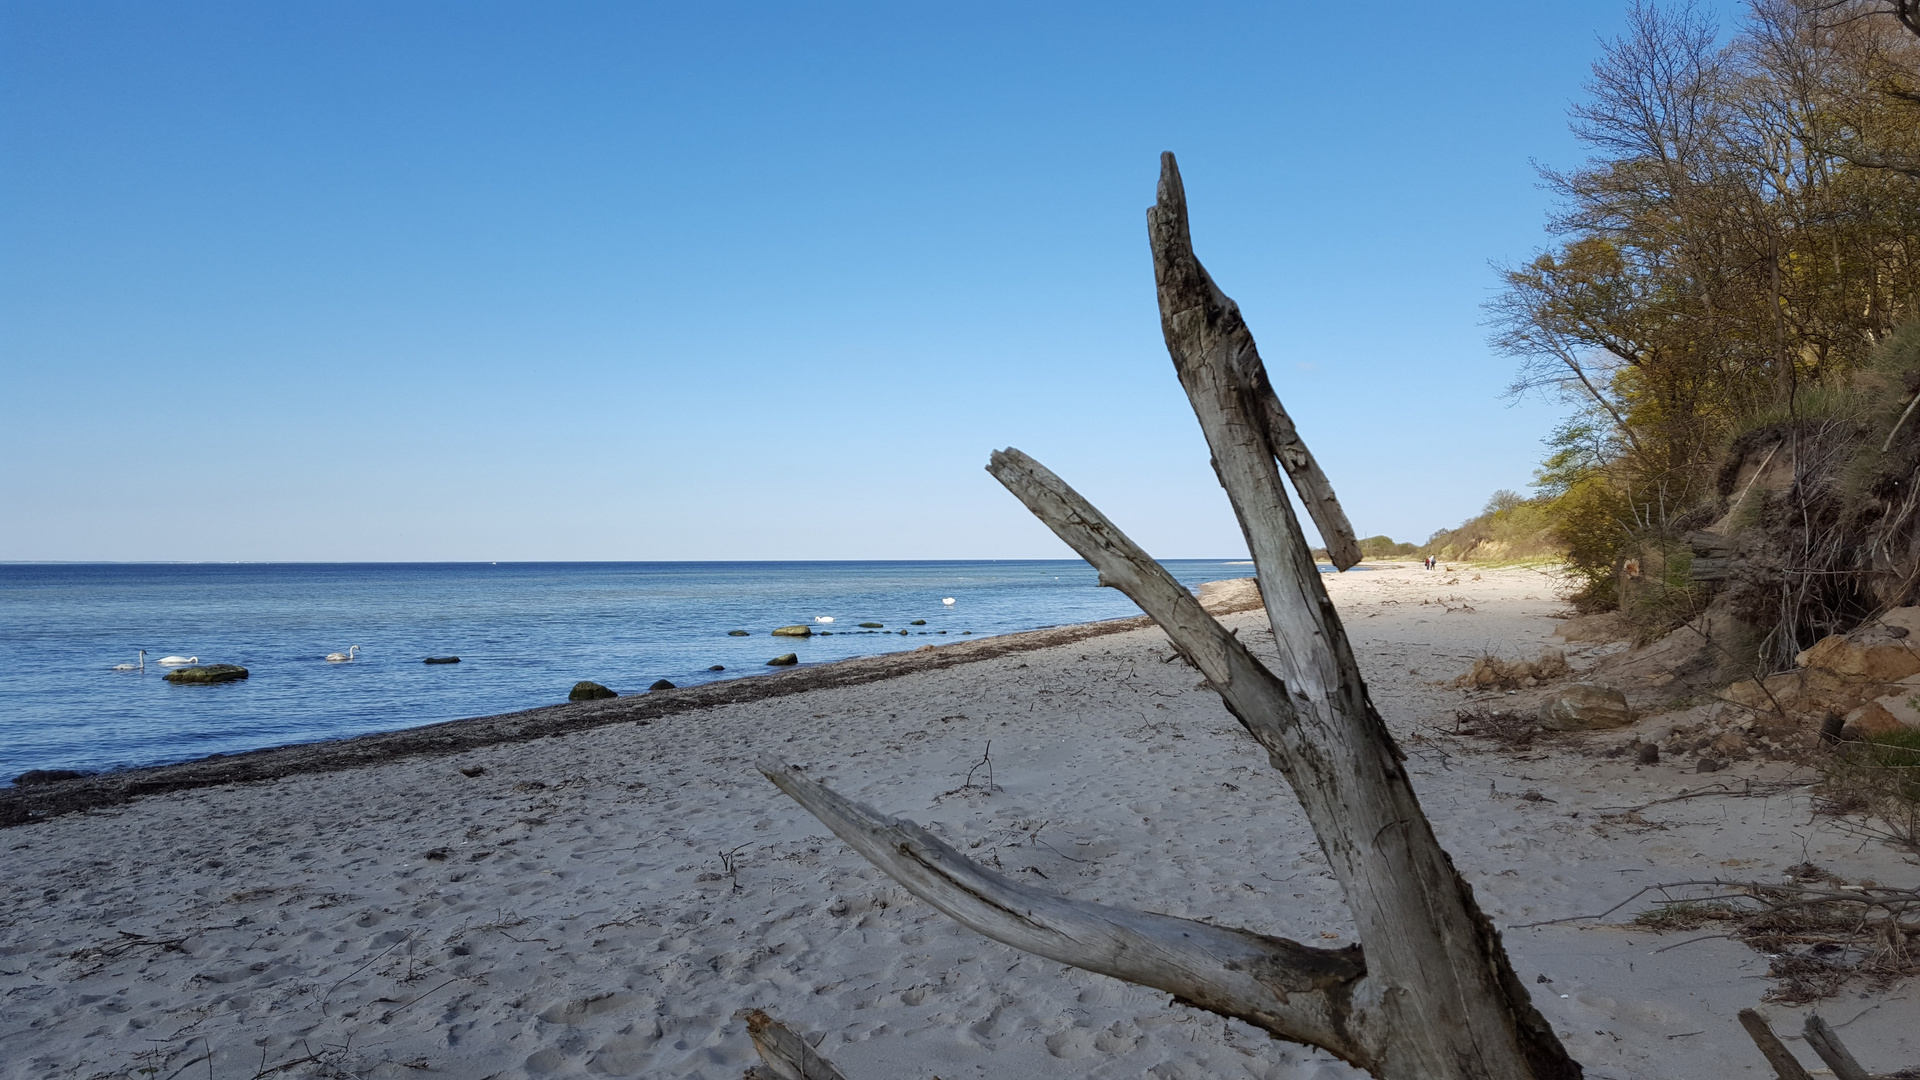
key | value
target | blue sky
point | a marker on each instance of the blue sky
(761, 281)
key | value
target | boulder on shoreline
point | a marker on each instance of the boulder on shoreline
(662, 684)
(784, 660)
(800, 630)
(1586, 707)
(206, 673)
(585, 690)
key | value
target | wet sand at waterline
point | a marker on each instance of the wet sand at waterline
(599, 902)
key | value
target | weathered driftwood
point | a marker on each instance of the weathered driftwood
(784, 1055)
(1442, 991)
(1826, 1043)
(1207, 328)
(1292, 990)
(1785, 1065)
(1436, 997)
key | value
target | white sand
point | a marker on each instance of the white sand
(568, 912)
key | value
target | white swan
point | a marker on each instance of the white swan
(141, 666)
(948, 601)
(176, 661)
(342, 657)
(823, 618)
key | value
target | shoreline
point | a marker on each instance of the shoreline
(42, 802)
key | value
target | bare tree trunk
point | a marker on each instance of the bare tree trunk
(1433, 996)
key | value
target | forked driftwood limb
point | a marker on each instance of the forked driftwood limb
(1436, 997)
(1292, 990)
(784, 1054)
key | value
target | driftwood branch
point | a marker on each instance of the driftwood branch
(1785, 1065)
(1449, 999)
(1205, 327)
(1292, 990)
(1827, 1044)
(784, 1055)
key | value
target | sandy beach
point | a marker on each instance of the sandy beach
(601, 900)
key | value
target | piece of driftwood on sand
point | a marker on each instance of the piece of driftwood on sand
(1429, 993)
(784, 1053)
(1822, 1040)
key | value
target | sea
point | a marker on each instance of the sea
(524, 633)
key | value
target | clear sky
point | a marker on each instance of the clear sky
(352, 281)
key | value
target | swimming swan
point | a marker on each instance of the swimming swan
(823, 618)
(176, 661)
(948, 601)
(342, 657)
(141, 666)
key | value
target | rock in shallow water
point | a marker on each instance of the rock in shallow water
(802, 630)
(784, 660)
(718, 667)
(442, 660)
(208, 673)
(738, 633)
(662, 684)
(1586, 707)
(589, 691)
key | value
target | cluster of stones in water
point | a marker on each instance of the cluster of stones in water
(593, 691)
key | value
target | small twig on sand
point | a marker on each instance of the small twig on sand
(985, 762)
(1749, 791)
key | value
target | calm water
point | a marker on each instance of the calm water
(525, 632)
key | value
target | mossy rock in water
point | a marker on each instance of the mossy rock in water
(206, 673)
(589, 691)
(871, 625)
(442, 660)
(784, 660)
(739, 633)
(799, 630)
(662, 684)
(918, 622)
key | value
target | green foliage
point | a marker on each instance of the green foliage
(1737, 264)
(1510, 530)
(1385, 547)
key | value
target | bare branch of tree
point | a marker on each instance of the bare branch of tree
(1296, 992)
